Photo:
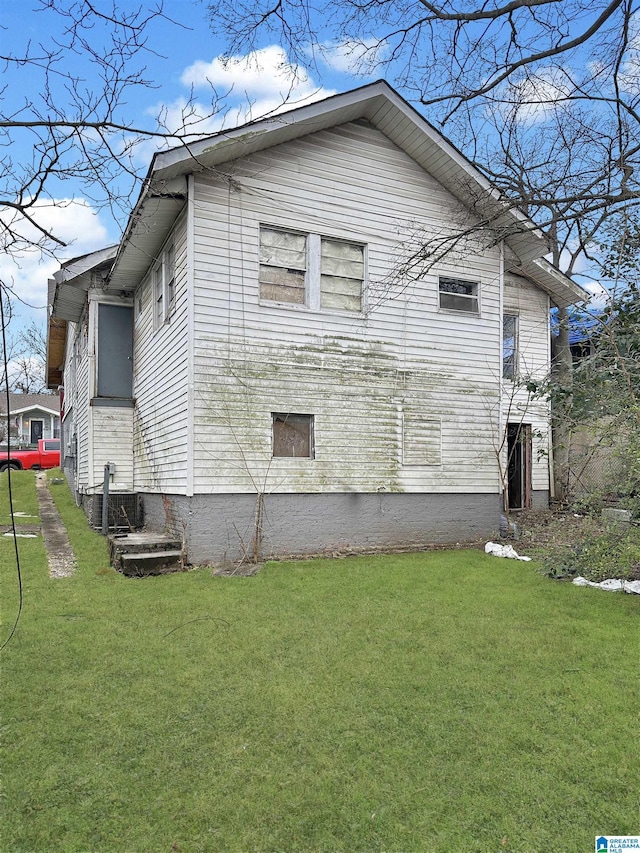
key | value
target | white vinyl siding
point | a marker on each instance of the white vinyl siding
(531, 306)
(422, 439)
(161, 359)
(365, 375)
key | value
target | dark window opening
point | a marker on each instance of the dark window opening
(457, 294)
(518, 466)
(293, 435)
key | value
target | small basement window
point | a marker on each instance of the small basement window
(292, 435)
(457, 294)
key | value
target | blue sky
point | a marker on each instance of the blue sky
(182, 61)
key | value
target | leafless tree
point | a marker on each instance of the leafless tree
(543, 96)
(73, 114)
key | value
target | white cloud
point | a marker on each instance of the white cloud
(354, 57)
(533, 99)
(258, 85)
(599, 295)
(25, 269)
(261, 73)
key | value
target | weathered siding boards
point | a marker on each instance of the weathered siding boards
(161, 360)
(531, 305)
(356, 426)
(284, 319)
(81, 405)
(230, 309)
(112, 442)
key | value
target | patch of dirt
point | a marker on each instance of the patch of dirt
(545, 528)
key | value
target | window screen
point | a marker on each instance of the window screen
(293, 435)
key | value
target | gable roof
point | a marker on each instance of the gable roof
(19, 403)
(164, 191)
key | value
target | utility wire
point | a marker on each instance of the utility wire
(5, 374)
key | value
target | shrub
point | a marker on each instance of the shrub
(611, 554)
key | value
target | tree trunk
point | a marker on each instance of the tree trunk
(561, 402)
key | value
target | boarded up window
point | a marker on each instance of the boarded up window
(422, 440)
(509, 346)
(115, 351)
(293, 435)
(283, 264)
(457, 294)
(342, 273)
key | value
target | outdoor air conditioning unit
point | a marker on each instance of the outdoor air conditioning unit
(125, 511)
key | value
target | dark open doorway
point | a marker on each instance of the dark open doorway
(519, 466)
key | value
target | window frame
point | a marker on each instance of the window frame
(313, 271)
(282, 417)
(471, 298)
(163, 285)
(513, 357)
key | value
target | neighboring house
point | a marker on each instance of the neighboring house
(269, 364)
(31, 417)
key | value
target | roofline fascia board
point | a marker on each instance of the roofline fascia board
(149, 191)
(370, 98)
(562, 289)
(31, 408)
(78, 266)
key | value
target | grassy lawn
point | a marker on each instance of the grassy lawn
(447, 701)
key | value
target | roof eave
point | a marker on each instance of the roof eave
(562, 290)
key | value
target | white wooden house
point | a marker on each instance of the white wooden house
(272, 365)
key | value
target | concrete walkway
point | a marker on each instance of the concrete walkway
(62, 560)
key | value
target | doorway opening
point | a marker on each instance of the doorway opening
(518, 466)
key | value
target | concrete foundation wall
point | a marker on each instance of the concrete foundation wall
(540, 499)
(222, 528)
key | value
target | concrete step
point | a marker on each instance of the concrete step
(140, 564)
(129, 543)
(140, 554)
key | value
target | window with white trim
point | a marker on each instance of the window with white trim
(458, 294)
(164, 286)
(509, 346)
(311, 270)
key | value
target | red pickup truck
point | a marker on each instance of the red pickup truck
(47, 455)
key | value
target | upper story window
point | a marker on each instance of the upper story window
(164, 286)
(307, 269)
(457, 294)
(509, 346)
(283, 266)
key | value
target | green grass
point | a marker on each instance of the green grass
(444, 701)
